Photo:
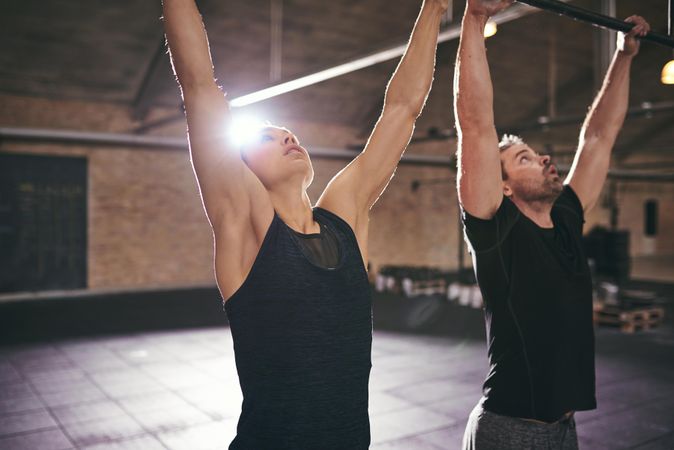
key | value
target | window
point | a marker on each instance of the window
(651, 218)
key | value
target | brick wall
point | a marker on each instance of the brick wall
(147, 227)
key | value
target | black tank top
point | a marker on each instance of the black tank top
(321, 248)
(302, 342)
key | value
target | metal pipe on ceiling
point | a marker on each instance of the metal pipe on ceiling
(91, 137)
(613, 174)
(645, 109)
(621, 174)
(637, 175)
(159, 142)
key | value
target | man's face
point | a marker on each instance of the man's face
(274, 155)
(529, 176)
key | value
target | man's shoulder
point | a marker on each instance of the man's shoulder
(486, 234)
(568, 203)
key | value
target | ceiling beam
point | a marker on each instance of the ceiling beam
(450, 33)
(158, 69)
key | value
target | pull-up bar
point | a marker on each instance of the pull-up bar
(596, 19)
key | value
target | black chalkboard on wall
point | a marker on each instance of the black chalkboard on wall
(43, 222)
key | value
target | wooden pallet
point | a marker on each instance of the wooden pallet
(630, 320)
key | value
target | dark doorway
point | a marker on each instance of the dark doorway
(43, 222)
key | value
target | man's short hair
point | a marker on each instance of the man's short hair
(507, 141)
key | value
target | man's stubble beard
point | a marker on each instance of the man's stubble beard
(546, 192)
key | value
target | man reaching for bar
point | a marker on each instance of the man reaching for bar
(524, 227)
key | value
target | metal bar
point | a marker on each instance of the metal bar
(594, 18)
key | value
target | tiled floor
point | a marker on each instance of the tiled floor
(178, 390)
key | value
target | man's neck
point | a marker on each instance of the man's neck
(538, 211)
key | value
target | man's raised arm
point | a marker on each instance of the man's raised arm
(605, 119)
(226, 184)
(479, 176)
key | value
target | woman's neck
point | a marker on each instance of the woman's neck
(294, 207)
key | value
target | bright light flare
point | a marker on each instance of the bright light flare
(243, 129)
(490, 29)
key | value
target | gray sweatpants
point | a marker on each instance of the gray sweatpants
(489, 431)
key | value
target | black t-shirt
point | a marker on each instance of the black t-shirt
(538, 309)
